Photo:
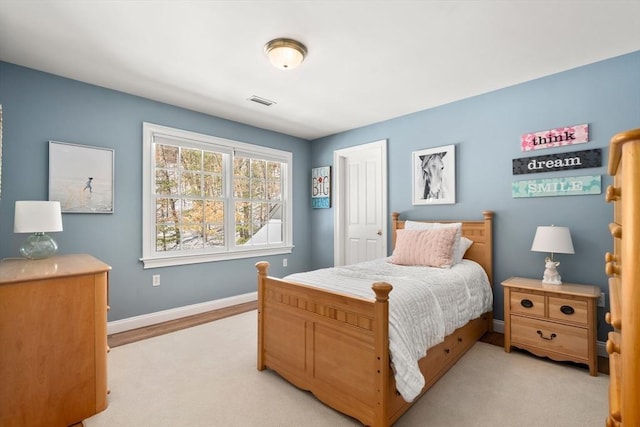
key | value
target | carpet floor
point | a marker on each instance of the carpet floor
(206, 376)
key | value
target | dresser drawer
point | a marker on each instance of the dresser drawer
(527, 303)
(568, 309)
(549, 336)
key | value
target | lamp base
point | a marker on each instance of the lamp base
(38, 246)
(551, 275)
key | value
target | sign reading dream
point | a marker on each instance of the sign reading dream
(557, 162)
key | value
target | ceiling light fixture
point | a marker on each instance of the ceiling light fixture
(285, 53)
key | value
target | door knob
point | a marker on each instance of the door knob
(379, 233)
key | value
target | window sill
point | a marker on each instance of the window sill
(168, 261)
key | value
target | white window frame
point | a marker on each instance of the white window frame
(151, 258)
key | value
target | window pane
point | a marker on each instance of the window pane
(241, 167)
(214, 236)
(243, 222)
(274, 190)
(257, 188)
(274, 224)
(258, 218)
(212, 186)
(167, 210)
(214, 212)
(258, 168)
(191, 159)
(192, 236)
(166, 181)
(166, 156)
(192, 211)
(212, 162)
(274, 170)
(191, 184)
(214, 224)
(241, 188)
(167, 237)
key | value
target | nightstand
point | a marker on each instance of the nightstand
(554, 321)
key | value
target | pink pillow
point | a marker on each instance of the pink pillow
(433, 248)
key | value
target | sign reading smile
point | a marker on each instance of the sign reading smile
(566, 186)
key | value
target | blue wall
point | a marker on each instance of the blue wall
(38, 107)
(486, 130)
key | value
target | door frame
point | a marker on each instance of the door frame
(339, 221)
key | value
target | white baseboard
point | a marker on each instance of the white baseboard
(498, 326)
(176, 313)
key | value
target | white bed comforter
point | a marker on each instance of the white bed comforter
(425, 305)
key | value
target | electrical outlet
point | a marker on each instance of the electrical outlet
(284, 262)
(601, 300)
(156, 280)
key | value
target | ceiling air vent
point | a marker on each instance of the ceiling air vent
(262, 101)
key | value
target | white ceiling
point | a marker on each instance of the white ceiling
(368, 61)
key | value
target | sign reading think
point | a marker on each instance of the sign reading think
(558, 162)
(566, 186)
(578, 134)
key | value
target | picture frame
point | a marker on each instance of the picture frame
(81, 177)
(434, 176)
(321, 187)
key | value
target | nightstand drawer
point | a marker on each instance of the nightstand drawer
(549, 336)
(529, 303)
(567, 309)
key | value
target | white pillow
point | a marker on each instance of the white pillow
(462, 249)
(416, 225)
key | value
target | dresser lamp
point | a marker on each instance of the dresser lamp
(554, 240)
(37, 217)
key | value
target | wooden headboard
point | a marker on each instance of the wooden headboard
(481, 232)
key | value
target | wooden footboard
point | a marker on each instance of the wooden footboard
(334, 345)
(337, 346)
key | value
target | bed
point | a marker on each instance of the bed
(336, 344)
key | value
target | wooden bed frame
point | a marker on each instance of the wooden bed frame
(336, 345)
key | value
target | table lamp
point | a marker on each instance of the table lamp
(37, 217)
(554, 240)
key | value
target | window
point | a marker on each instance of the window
(210, 199)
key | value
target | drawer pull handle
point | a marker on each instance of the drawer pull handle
(545, 338)
(612, 269)
(567, 309)
(615, 230)
(526, 303)
(447, 351)
(609, 257)
(612, 347)
(612, 194)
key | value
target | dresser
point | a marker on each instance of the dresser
(555, 321)
(623, 268)
(53, 340)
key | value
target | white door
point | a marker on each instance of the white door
(360, 223)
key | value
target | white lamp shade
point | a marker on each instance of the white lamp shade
(37, 217)
(553, 239)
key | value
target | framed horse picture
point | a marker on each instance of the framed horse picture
(434, 175)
